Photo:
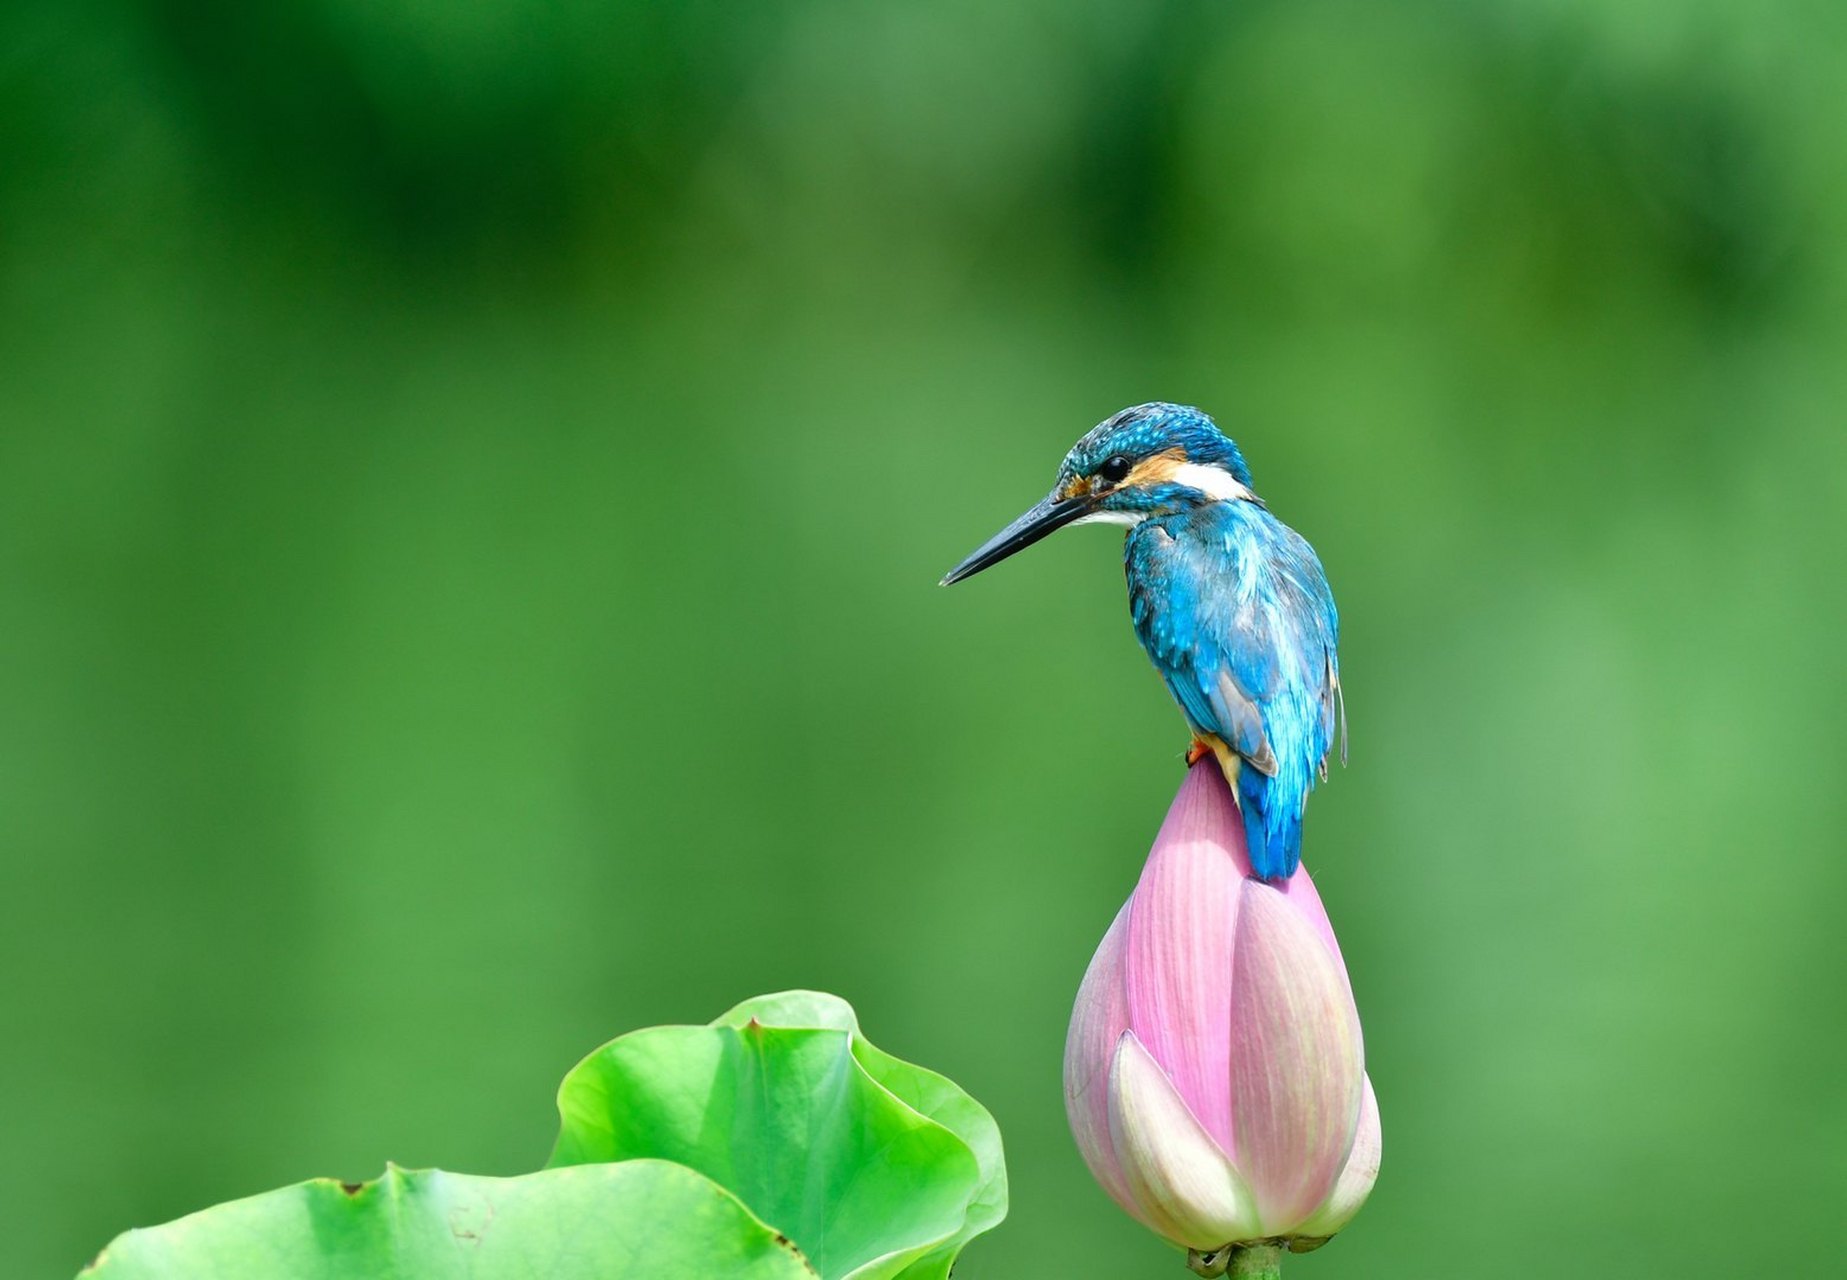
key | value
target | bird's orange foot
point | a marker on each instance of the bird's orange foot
(1198, 750)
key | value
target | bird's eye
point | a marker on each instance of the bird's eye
(1115, 468)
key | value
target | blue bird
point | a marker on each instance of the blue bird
(1231, 604)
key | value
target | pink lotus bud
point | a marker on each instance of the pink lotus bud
(1214, 1074)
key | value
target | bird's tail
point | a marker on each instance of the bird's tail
(1272, 826)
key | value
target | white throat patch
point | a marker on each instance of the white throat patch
(1127, 519)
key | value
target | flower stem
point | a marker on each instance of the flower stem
(1256, 1262)
(1239, 1262)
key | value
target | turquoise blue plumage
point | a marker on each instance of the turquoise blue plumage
(1235, 612)
(1230, 603)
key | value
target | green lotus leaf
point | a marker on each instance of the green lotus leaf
(640, 1220)
(924, 1091)
(877, 1169)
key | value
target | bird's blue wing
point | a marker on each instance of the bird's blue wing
(1235, 611)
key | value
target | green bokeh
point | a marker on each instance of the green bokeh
(473, 480)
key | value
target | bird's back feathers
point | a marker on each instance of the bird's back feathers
(1234, 609)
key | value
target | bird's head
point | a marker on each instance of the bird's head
(1154, 459)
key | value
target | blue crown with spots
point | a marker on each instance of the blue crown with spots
(1149, 429)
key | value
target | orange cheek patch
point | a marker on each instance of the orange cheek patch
(1157, 468)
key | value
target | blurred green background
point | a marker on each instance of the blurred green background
(473, 480)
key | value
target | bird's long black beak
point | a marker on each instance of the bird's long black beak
(1047, 516)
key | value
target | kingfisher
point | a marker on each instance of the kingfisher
(1231, 604)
